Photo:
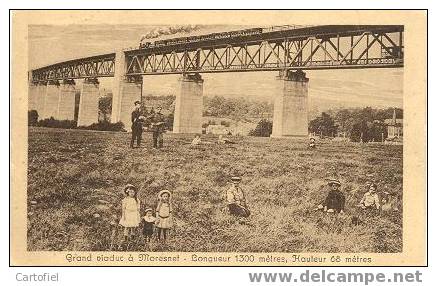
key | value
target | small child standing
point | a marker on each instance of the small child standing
(130, 212)
(164, 214)
(148, 225)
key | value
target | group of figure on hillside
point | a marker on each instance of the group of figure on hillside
(131, 217)
(158, 222)
(335, 200)
(157, 126)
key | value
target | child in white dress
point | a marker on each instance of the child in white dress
(130, 212)
(164, 220)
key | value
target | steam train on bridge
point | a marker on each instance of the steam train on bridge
(212, 36)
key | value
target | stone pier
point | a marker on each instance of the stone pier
(125, 91)
(290, 116)
(66, 100)
(51, 100)
(32, 97)
(123, 102)
(189, 105)
(89, 102)
(41, 89)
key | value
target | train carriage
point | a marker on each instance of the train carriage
(207, 37)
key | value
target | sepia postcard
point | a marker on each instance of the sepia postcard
(218, 138)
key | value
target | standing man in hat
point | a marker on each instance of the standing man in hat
(137, 125)
(236, 199)
(158, 126)
(335, 199)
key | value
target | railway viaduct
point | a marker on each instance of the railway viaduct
(289, 51)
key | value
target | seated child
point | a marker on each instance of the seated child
(312, 143)
(370, 199)
(388, 203)
(335, 200)
(196, 141)
(223, 140)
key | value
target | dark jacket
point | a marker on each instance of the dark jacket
(158, 122)
(335, 200)
(137, 123)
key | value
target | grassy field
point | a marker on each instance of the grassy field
(76, 178)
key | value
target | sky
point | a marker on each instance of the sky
(49, 44)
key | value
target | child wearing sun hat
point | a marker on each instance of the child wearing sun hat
(130, 212)
(236, 199)
(164, 220)
(148, 224)
(335, 200)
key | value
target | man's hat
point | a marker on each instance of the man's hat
(130, 187)
(148, 210)
(312, 139)
(164, 192)
(235, 179)
(137, 102)
(334, 182)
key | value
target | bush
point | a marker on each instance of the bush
(32, 117)
(71, 124)
(263, 129)
(104, 126)
(53, 123)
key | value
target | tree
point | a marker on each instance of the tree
(360, 132)
(377, 132)
(105, 108)
(32, 117)
(262, 129)
(342, 119)
(323, 125)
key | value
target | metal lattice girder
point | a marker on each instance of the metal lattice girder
(317, 47)
(91, 67)
(320, 47)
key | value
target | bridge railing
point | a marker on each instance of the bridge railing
(284, 27)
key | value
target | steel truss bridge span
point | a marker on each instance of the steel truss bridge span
(309, 48)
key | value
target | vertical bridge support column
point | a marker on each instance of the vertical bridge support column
(51, 100)
(89, 102)
(290, 116)
(41, 89)
(130, 90)
(189, 105)
(125, 91)
(32, 96)
(66, 100)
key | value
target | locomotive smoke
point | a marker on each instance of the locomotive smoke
(155, 33)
